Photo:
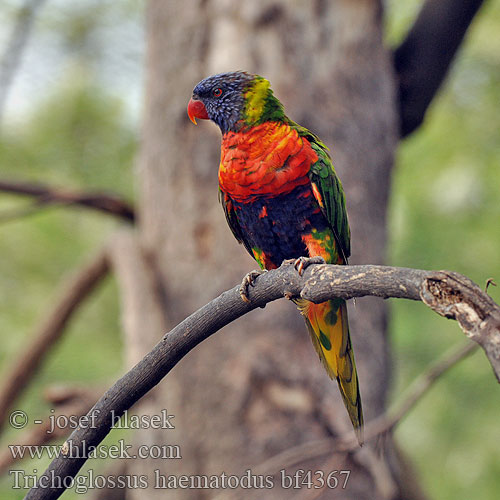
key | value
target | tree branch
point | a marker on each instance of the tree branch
(76, 290)
(46, 196)
(420, 387)
(451, 293)
(423, 59)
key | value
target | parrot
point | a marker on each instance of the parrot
(283, 200)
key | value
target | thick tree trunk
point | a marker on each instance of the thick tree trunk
(257, 388)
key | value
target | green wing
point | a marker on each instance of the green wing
(332, 200)
(329, 191)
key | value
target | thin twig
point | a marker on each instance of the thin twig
(47, 196)
(447, 293)
(422, 384)
(75, 291)
(489, 282)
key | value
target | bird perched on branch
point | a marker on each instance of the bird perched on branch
(283, 200)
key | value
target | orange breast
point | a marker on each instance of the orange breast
(267, 160)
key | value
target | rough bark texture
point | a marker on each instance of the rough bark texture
(240, 398)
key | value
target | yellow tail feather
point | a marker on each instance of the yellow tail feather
(329, 329)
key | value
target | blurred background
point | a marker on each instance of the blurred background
(70, 116)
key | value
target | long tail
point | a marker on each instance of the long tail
(329, 328)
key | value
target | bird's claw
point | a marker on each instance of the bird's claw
(248, 280)
(302, 263)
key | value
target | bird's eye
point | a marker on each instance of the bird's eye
(217, 92)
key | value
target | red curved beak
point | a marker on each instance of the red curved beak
(196, 109)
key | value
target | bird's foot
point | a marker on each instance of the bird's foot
(249, 280)
(302, 263)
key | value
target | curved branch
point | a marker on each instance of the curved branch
(423, 59)
(448, 293)
(46, 196)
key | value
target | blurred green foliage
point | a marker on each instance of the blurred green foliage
(72, 139)
(444, 214)
(78, 137)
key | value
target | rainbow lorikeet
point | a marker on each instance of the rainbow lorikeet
(283, 200)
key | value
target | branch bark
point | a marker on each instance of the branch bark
(47, 196)
(450, 294)
(76, 290)
(423, 59)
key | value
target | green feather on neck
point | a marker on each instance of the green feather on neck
(261, 105)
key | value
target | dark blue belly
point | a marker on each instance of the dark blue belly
(276, 225)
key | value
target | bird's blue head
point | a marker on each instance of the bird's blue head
(234, 100)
